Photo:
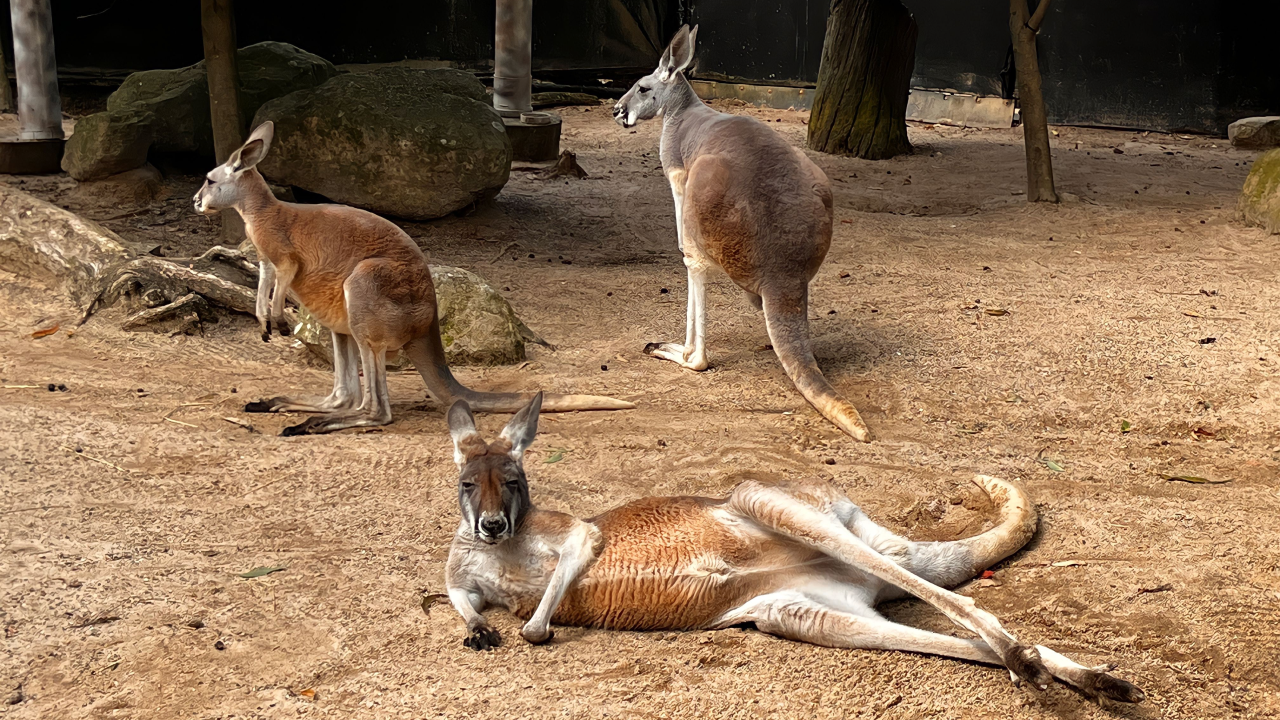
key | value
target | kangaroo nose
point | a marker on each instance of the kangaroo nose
(493, 525)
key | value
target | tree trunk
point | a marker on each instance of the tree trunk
(1035, 124)
(217, 25)
(860, 107)
(7, 104)
(36, 69)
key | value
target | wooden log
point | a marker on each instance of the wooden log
(860, 107)
(56, 247)
(1035, 124)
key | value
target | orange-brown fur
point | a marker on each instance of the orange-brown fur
(792, 556)
(750, 204)
(365, 280)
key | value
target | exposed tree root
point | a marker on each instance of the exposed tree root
(163, 286)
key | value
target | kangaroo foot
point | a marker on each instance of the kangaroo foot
(678, 354)
(1024, 662)
(265, 406)
(331, 423)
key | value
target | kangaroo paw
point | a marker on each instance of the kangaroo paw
(483, 638)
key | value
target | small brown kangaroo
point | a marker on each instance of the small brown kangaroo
(793, 557)
(365, 280)
(750, 204)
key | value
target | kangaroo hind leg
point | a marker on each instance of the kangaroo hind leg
(346, 385)
(378, 324)
(817, 525)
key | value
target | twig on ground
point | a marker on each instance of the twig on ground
(33, 508)
(87, 456)
(242, 424)
(179, 422)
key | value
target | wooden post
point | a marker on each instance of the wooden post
(6, 91)
(217, 26)
(1035, 124)
(860, 107)
(39, 105)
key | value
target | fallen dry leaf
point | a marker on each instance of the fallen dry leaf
(995, 311)
(1067, 563)
(45, 332)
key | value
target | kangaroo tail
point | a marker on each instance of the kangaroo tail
(786, 316)
(427, 353)
(951, 563)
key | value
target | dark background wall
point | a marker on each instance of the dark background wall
(1149, 64)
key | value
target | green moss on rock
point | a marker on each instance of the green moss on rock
(415, 144)
(1260, 201)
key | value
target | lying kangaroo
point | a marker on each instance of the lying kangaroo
(365, 280)
(794, 557)
(750, 204)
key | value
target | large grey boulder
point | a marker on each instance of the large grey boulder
(1255, 132)
(415, 144)
(168, 110)
(478, 326)
(108, 143)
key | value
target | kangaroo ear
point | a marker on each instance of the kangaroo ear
(254, 149)
(678, 54)
(523, 427)
(467, 443)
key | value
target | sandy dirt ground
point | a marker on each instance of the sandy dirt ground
(1142, 304)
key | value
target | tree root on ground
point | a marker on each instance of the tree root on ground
(165, 288)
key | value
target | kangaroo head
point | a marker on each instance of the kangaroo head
(224, 185)
(649, 95)
(493, 492)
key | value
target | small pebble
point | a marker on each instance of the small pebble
(196, 624)
(62, 388)
(219, 645)
(233, 390)
(53, 388)
(663, 291)
(604, 367)
(830, 461)
(608, 294)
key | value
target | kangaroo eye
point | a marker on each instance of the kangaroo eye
(467, 485)
(513, 484)
(644, 90)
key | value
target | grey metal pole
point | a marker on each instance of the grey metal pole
(39, 105)
(513, 57)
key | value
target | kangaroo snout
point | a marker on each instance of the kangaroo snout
(492, 527)
(620, 113)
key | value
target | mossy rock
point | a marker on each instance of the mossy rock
(415, 144)
(478, 325)
(168, 110)
(108, 143)
(179, 99)
(1260, 201)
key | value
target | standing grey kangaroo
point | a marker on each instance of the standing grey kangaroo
(746, 202)
(365, 280)
(794, 557)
